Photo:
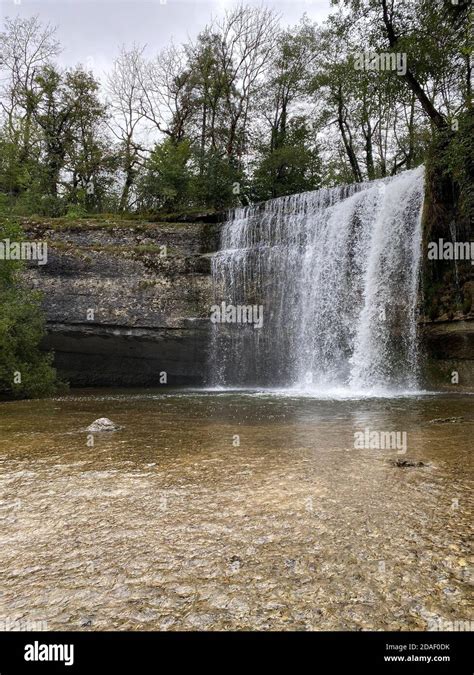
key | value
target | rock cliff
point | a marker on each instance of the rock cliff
(127, 303)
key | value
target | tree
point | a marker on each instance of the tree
(245, 109)
(246, 39)
(126, 103)
(166, 95)
(26, 47)
(220, 184)
(69, 114)
(209, 86)
(291, 167)
(435, 38)
(167, 175)
(15, 171)
(291, 64)
(24, 370)
(88, 158)
(333, 81)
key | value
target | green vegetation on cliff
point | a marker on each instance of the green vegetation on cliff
(24, 370)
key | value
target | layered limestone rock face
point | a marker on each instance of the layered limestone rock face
(447, 327)
(449, 354)
(127, 303)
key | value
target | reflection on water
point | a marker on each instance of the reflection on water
(234, 511)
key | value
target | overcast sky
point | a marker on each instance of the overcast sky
(91, 31)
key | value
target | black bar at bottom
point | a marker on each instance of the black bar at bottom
(90, 652)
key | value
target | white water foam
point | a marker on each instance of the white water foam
(337, 273)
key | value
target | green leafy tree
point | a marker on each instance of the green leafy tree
(25, 371)
(88, 161)
(15, 173)
(220, 183)
(293, 166)
(166, 180)
(69, 115)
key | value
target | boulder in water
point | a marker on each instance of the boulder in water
(103, 424)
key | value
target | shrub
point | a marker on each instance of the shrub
(25, 371)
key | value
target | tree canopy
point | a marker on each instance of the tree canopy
(249, 109)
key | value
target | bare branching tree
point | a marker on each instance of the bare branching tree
(126, 97)
(246, 41)
(166, 100)
(26, 46)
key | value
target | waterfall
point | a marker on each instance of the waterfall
(336, 273)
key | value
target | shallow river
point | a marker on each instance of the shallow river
(234, 511)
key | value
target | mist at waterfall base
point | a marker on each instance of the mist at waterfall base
(337, 273)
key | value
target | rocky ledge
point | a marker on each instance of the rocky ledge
(127, 303)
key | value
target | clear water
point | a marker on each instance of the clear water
(234, 510)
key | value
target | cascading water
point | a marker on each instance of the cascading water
(336, 271)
